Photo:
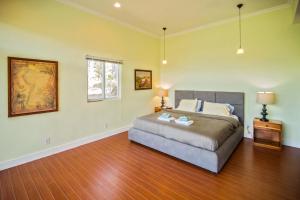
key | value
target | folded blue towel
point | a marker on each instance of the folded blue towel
(188, 123)
(183, 119)
(165, 115)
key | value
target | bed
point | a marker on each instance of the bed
(208, 143)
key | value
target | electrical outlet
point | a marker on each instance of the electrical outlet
(249, 131)
(48, 140)
(106, 125)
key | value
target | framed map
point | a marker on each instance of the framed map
(32, 86)
(143, 79)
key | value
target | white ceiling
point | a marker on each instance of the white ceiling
(178, 15)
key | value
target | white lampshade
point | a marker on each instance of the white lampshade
(240, 51)
(164, 62)
(162, 92)
(265, 98)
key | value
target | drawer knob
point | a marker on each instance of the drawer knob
(267, 125)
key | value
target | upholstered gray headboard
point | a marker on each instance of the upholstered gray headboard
(234, 98)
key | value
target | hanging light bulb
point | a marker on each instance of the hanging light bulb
(240, 49)
(164, 62)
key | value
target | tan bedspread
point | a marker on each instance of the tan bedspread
(207, 132)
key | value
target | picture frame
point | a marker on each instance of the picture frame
(32, 86)
(142, 79)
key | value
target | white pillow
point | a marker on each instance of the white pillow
(216, 109)
(188, 105)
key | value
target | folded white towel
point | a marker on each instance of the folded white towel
(166, 119)
(188, 123)
(165, 115)
(183, 119)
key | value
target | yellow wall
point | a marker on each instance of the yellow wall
(206, 60)
(199, 60)
(50, 30)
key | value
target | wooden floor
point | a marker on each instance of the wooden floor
(115, 168)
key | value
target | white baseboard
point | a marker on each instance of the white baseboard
(70, 145)
(57, 149)
(291, 144)
(248, 136)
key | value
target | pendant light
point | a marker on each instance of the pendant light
(164, 62)
(240, 49)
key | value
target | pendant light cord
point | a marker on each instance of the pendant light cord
(240, 26)
(164, 28)
(240, 22)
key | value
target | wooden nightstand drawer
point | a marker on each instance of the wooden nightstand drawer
(267, 125)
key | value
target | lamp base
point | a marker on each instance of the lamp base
(162, 102)
(264, 114)
(264, 120)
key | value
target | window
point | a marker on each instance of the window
(103, 79)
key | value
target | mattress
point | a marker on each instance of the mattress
(207, 132)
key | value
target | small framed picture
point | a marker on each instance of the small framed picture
(32, 86)
(143, 79)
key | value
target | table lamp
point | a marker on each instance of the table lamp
(163, 93)
(265, 98)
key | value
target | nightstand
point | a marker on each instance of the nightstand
(158, 109)
(267, 134)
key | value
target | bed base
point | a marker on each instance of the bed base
(212, 161)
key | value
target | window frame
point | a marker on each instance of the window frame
(119, 63)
